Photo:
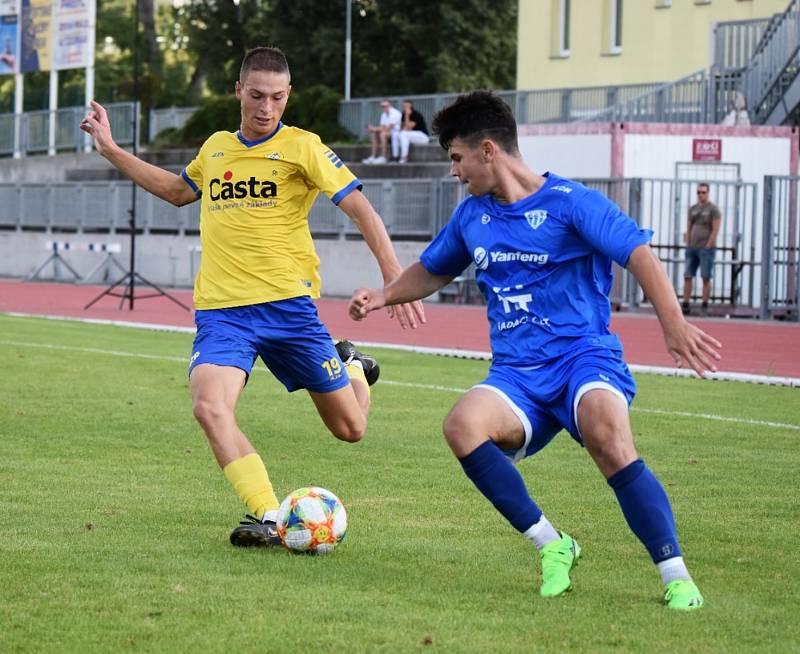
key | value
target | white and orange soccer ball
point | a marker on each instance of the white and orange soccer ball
(312, 520)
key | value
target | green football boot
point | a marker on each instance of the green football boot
(558, 558)
(683, 595)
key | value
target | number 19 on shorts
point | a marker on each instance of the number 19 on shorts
(333, 367)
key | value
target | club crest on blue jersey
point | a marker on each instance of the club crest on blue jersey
(480, 258)
(536, 217)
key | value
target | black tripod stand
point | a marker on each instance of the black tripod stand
(125, 288)
(127, 285)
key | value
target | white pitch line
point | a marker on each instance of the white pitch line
(682, 414)
(388, 382)
(770, 380)
(95, 350)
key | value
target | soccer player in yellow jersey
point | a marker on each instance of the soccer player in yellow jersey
(259, 274)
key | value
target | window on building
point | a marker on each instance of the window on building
(616, 26)
(560, 28)
(661, 4)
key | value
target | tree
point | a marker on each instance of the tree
(400, 47)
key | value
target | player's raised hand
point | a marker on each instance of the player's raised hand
(691, 347)
(97, 125)
(365, 300)
(408, 315)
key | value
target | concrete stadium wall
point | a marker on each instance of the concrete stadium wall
(46, 169)
(168, 260)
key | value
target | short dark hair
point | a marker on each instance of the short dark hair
(264, 58)
(703, 185)
(476, 116)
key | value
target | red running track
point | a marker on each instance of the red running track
(760, 348)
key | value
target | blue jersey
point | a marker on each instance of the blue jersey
(544, 266)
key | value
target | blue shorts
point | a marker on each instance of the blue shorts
(545, 398)
(288, 336)
(702, 257)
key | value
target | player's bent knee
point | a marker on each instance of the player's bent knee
(459, 431)
(350, 432)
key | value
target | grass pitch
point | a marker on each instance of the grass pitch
(114, 518)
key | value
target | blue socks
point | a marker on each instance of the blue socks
(497, 478)
(641, 497)
(646, 508)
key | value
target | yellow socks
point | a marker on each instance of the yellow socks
(250, 480)
(356, 371)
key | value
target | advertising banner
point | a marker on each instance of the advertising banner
(36, 35)
(9, 37)
(706, 149)
(73, 42)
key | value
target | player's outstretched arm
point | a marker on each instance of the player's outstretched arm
(162, 183)
(414, 283)
(688, 345)
(409, 312)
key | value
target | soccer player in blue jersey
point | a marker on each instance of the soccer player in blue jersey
(259, 274)
(543, 248)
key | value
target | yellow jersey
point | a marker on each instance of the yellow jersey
(255, 200)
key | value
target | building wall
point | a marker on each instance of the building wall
(661, 40)
(655, 155)
(652, 149)
(557, 153)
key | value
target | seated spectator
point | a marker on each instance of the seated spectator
(738, 114)
(387, 129)
(413, 129)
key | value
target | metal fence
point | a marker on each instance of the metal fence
(664, 207)
(781, 247)
(756, 273)
(533, 106)
(33, 128)
(412, 209)
(764, 79)
(168, 118)
(735, 42)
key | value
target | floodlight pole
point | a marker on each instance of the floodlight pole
(135, 131)
(348, 46)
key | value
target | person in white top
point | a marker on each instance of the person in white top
(387, 130)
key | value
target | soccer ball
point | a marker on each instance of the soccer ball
(311, 520)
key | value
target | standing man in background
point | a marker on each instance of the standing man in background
(700, 238)
(260, 273)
